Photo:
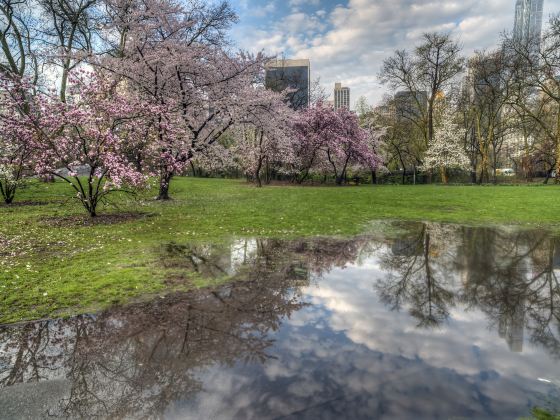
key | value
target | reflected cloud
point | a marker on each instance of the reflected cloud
(431, 321)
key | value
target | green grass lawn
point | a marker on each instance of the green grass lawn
(51, 264)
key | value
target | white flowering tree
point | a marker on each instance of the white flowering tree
(446, 150)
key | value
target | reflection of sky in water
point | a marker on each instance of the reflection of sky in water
(348, 356)
(441, 322)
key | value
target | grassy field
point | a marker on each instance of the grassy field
(53, 263)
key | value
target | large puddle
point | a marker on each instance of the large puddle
(427, 321)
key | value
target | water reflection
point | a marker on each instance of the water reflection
(135, 361)
(404, 325)
(419, 267)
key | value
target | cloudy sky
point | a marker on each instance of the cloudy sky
(347, 40)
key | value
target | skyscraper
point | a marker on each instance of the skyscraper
(483, 78)
(341, 96)
(528, 20)
(410, 105)
(282, 74)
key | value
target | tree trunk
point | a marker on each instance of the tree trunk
(483, 147)
(431, 118)
(267, 173)
(494, 166)
(548, 175)
(302, 177)
(373, 177)
(8, 192)
(9, 198)
(164, 181)
(343, 177)
(337, 178)
(557, 180)
(258, 174)
(430, 176)
(444, 178)
(90, 204)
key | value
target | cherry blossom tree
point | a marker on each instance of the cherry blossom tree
(87, 140)
(352, 145)
(174, 55)
(331, 139)
(216, 160)
(446, 151)
(14, 159)
(376, 143)
(15, 136)
(314, 128)
(264, 136)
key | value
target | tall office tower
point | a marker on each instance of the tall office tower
(528, 20)
(282, 74)
(341, 96)
(410, 105)
(484, 76)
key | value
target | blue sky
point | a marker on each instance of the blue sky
(347, 40)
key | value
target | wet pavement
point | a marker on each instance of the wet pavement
(421, 321)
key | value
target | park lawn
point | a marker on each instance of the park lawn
(51, 264)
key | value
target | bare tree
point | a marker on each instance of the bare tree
(430, 69)
(403, 143)
(18, 39)
(317, 92)
(535, 64)
(72, 30)
(490, 90)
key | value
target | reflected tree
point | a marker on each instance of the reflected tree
(134, 361)
(418, 275)
(269, 259)
(512, 278)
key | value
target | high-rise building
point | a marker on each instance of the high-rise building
(295, 75)
(511, 327)
(410, 105)
(484, 76)
(528, 20)
(341, 96)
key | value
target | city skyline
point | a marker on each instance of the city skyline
(347, 41)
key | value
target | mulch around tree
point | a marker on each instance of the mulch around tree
(101, 219)
(25, 203)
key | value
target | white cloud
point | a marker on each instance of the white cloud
(350, 349)
(262, 11)
(297, 3)
(349, 42)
